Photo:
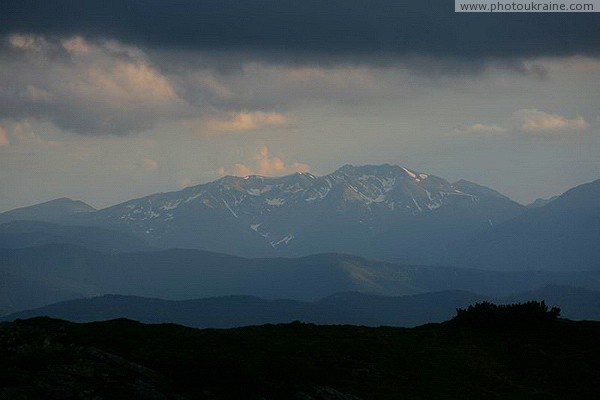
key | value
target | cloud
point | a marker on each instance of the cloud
(149, 164)
(3, 138)
(76, 45)
(480, 129)
(528, 122)
(264, 90)
(185, 182)
(27, 42)
(264, 164)
(338, 28)
(36, 95)
(247, 121)
(87, 87)
(236, 170)
(106, 87)
(21, 133)
(535, 121)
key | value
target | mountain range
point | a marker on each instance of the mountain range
(379, 230)
(383, 212)
(32, 277)
(351, 308)
(234, 311)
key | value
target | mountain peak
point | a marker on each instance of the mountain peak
(68, 202)
(585, 196)
(256, 215)
(541, 202)
(48, 211)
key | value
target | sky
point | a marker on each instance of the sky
(104, 101)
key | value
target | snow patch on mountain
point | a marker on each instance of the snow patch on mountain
(285, 240)
(275, 202)
(410, 173)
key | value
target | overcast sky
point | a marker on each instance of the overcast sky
(104, 101)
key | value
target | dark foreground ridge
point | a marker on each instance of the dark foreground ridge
(522, 352)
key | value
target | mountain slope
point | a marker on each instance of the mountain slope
(562, 235)
(50, 211)
(181, 274)
(381, 211)
(17, 234)
(76, 272)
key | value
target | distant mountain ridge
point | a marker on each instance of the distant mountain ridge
(49, 211)
(37, 276)
(303, 214)
(541, 202)
(235, 311)
(378, 211)
(562, 235)
(382, 212)
(341, 308)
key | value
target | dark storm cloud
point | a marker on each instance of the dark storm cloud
(84, 87)
(338, 28)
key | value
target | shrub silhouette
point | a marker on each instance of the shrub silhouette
(486, 314)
